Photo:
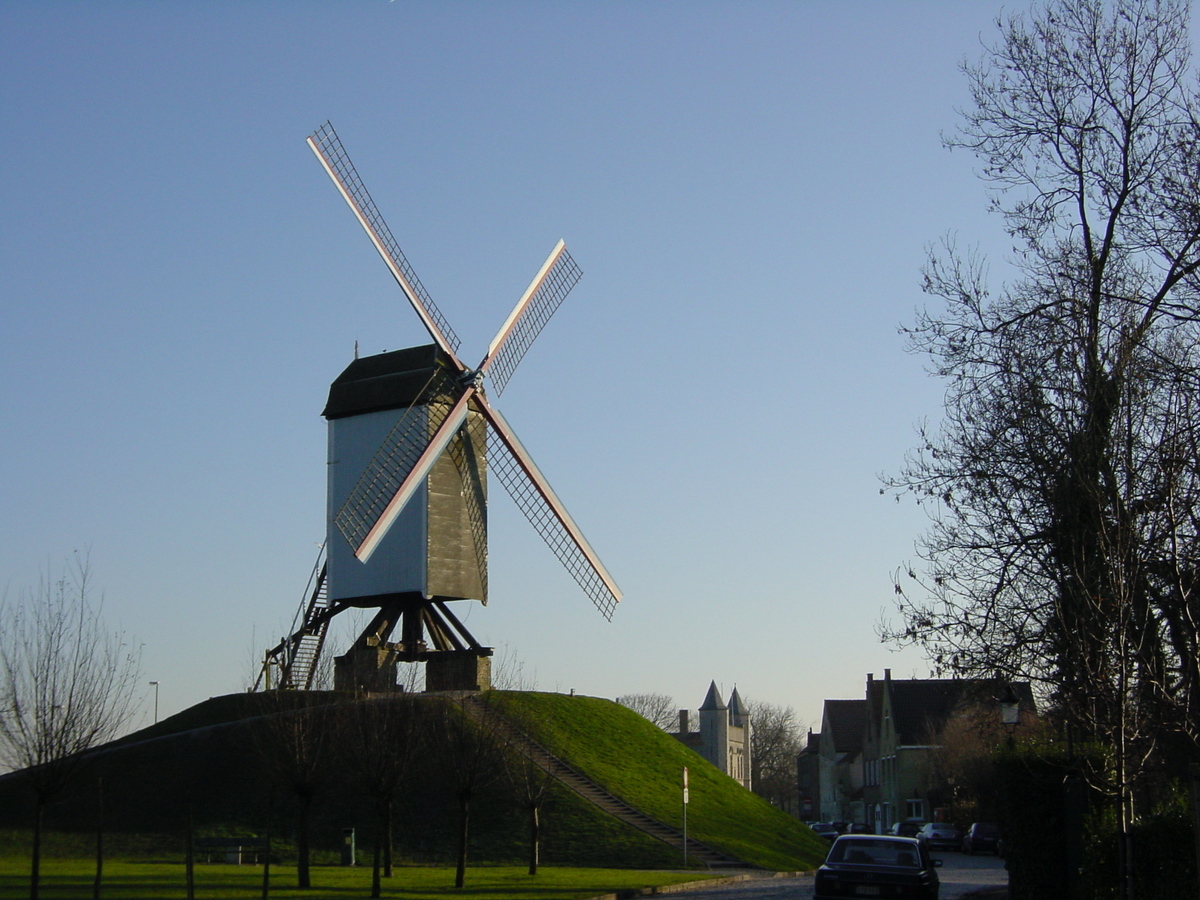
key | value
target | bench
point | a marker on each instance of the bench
(234, 850)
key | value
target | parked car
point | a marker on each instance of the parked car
(877, 866)
(824, 829)
(981, 837)
(940, 835)
(860, 828)
(907, 828)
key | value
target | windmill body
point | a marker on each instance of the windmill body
(437, 547)
(413, 440)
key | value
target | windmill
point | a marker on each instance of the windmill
(413, 438)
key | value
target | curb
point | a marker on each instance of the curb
(695, 885)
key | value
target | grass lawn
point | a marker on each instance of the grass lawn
(71, 879)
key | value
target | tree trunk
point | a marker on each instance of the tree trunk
(388, 840)
(302, 874)
(535, 836)
(464, 809)
(1194, 785)
(376, 888)
(189, 860)
(266, 879)
(35, 870)
(99, 838)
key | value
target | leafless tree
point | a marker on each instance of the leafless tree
(295, 740)
(776, 739)
(658, 709)
(381, 738)
(1064, 498)
(471, 748)
(66, 685)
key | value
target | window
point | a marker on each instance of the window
(914, 809)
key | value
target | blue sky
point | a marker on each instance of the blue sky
(749, 189)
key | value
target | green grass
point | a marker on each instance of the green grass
(213, 777)
(631, 758)
(131, 880)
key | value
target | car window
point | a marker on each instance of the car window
(877, 853)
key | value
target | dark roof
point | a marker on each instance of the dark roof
(738, 713)
(387, 381)
(920, 707)
(847, 720)
(713, 700)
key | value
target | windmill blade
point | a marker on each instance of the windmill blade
(510, 462)
(328, 148)
(545, 294)
(397, 470)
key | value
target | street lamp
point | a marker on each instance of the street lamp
(1010, 711)
(154, 684)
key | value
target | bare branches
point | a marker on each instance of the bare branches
(657, 709)
(66, 683)
(775, 742)
(1062, 485)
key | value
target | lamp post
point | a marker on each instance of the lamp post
(154, 684)
(1010, 711)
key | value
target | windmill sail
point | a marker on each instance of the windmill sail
(329, 150)
(545, 294)
(511, 463)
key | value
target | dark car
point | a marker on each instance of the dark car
(940, 835)
(825, 830)
(860, 828)
(907, 828)
(860, 865)
(981, 837)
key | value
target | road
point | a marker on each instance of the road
(959, 874)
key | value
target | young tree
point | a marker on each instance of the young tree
(382, 737)
(295, 740)
(66, 686)
(1061, 485)
(658, 709)
(467, 735)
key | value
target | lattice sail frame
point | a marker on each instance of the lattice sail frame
(396, 458)
(530, 317)
(427, 430)
(557, 536)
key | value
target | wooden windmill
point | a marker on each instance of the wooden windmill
(413, 439)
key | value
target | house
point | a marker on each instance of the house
(724, 735)
(876, 756)
(840, 760)
(808, 778)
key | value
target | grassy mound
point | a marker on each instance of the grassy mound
(205, 766)
(629, 757)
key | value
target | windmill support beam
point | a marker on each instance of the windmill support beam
(454, 659)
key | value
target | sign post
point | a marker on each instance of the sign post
(685, 806)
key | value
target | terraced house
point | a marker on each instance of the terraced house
(877, 756)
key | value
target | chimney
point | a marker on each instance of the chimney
(683, 721)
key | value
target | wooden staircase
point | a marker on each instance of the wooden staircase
(487, 716)
(295, 658)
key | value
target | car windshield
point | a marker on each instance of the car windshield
(869, 852)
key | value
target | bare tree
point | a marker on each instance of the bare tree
(1063, 494)
(295, 740)
(658, 709)
(381, 739)
(66, 685)
(776, 739)
(468, 737)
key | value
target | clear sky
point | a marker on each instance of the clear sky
(749, 188)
